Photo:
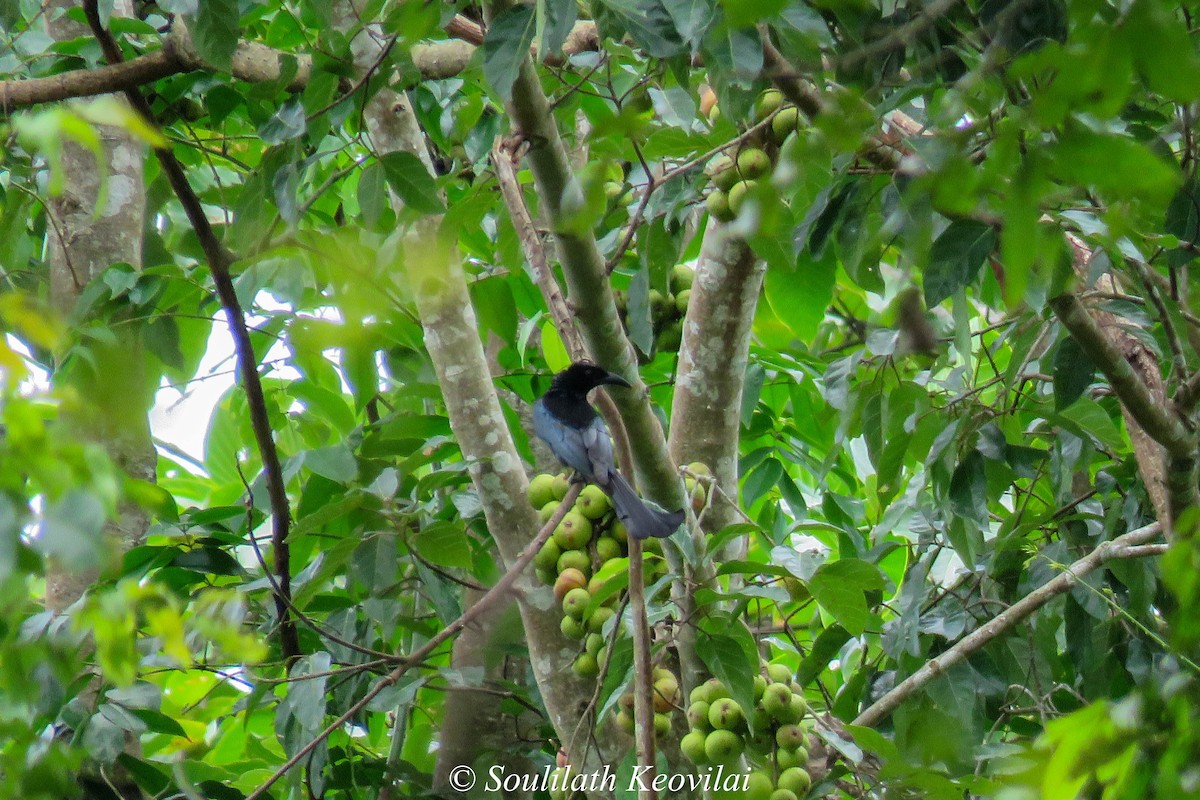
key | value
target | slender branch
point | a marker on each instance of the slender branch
(1121, 547)
(503, 161)
(489, 599)
(643, 680)
(219, 261)
(378, 655)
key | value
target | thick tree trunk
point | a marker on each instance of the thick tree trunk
(706, 413)
(84, 239)
(83, 242)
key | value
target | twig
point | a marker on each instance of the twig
(643, 683)
(900, 36)
(360, 83)
(503, 161)
(1121, 547)
(275, 589)
(595, 698)
(490, 598)
(656, 182)
(219, 261)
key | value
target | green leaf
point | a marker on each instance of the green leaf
(554, 21)
(1112, 164)
(102, 739)
(505, 48)
(800, 298)
(492, 299)
(324, 403)
(648, 23)
(162, 339)
(335, 462)
(148, 775)
(743, 14)
(956, 257)
(619, 674)
(159, 722)
(840, 588)
(215, 31)
(444, 544)
(727, 648)
(691, 18)
(824, 649)
(71, 530)
(968, 488)
(761, 480)
(372, 194)
(286, 124)
(1163, 50)
(411, 181)
(553, 350)
(209, 561)
(1183, 221)
(734, 58)
(305, 700)
(1086, 417)
(637, 314)
(1073, 373)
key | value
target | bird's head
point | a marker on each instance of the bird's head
(583, 376)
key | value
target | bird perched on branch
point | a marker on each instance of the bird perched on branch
(578, 437)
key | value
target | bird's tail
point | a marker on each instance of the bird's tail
(639, 519)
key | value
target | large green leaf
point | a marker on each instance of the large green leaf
(728, 650)
(1073, 373)
(647, 22)
(411, 181)
(841, 586)
(506, 47)
(956, 257)
(215, 31)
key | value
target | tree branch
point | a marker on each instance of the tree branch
(643, 678)
(117, 77)
(253, 62)
(1157, 421)
(1122, 546)
(219, 261)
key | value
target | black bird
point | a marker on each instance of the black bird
(578, 437)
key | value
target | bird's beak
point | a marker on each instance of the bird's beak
(612, 379)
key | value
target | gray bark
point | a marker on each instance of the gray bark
(83, 242)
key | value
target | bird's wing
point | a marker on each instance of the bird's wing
(567, 443)
(599, 450)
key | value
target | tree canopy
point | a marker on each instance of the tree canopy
(903, 293)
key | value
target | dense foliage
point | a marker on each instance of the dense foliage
(940, 192)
